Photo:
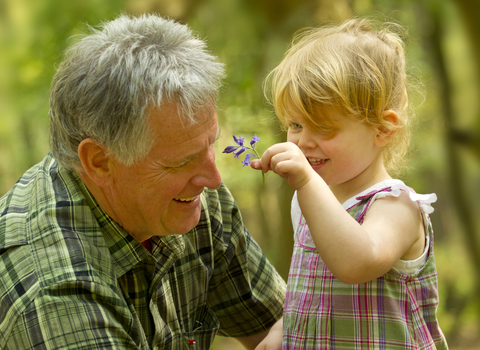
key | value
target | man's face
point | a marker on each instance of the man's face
(160, 195)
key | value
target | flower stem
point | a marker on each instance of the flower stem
(258, 157)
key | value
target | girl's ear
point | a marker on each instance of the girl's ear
(96, 162)
(385, 134)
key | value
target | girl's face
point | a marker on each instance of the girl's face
(350, 160)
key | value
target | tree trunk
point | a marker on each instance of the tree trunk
(455, 169)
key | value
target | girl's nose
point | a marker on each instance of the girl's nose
(306, 139)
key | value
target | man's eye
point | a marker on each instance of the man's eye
(184, 164)
(177, 167)
(181, 166)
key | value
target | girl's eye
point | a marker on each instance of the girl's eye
(294, 126)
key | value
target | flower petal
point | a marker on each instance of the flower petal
(247, 160)
(229, 149)
(255, 139)
(238, 152)
(238, 140)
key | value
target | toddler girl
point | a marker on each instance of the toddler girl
(363, 272)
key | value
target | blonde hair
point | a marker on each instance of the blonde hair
(358, 69)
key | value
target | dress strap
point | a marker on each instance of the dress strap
(367, 200)
(388, 188)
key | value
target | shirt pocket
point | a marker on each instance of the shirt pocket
(201, 337)
(303, 237)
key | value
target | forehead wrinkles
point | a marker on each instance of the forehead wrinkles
(167, 119)
(175, 140)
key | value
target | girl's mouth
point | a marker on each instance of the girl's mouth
(316, 161)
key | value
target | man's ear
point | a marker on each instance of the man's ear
(96, 162)
(385, 134)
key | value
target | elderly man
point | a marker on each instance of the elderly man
(124, 237)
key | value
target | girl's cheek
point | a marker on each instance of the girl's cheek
(292, 137)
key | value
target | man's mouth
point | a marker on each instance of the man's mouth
(316, 161)
(186, 199)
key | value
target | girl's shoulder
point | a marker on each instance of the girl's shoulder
(392, 187)
(359, 204)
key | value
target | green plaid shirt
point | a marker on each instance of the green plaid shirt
(72, 278)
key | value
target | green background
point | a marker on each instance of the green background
(250, 37)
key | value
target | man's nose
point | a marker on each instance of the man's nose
(208, 174)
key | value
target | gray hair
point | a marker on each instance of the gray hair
(110, 79)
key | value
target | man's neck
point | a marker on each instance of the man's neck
(147, 244)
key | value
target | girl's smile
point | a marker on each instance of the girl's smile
(317, 163)
(346, 161)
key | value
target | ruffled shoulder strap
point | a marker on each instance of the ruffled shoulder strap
(359, 205)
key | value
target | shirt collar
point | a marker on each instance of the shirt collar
(126, 252)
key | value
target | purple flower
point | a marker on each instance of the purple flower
(229, 149)
(247, 160)
(255, 139)
(238, 140)
(240, 148)
(237, 153)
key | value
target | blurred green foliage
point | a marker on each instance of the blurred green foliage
(250, 37)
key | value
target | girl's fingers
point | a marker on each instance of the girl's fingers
(274, 155)
(270, 153)
(286, 160)
(256, 164)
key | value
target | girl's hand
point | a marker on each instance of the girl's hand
(288, 161)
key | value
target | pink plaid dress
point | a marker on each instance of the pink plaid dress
(395, 311)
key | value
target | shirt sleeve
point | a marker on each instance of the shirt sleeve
(74, 315)
(246, 293)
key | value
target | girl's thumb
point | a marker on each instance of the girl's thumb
(256, 164)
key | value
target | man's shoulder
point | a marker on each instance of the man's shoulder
(49, 240)
(47, 215)
(34, 178)
(19, 205)
(23, 208)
